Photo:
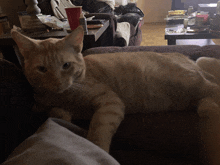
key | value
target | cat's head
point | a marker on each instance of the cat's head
(52, 64)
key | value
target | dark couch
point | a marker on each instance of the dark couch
(157, 138)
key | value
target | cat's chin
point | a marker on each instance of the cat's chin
(55, 91)
(60, 91)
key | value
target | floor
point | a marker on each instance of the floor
(153, 34)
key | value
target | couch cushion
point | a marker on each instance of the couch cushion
(191, 51)
(159, 138)
(58, 142)
(210, 51)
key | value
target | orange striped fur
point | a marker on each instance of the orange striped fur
(104, 87)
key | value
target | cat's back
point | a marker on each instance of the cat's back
(133, 58)
(143, 67)
(150, 79)
(122, 61)
(140, 63)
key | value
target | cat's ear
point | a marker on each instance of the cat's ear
(75, 39)
(25, 44)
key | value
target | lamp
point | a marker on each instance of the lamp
(30, 21)
(32, 7)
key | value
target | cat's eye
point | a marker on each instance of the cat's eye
(42, 69)
(66, 65)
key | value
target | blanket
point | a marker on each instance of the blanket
(59, 142)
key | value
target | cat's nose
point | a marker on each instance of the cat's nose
(57, 90)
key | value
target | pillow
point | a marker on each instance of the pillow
(57, 142)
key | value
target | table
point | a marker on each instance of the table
(7, 43)
(203, 38)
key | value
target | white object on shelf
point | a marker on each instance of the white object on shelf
(58, 7)
(218, 7)
(51, 21)
(121, 2)
(132, 1)
(190, 10)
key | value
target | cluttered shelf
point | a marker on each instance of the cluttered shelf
(179, 32)
(198, 21)
(7, 43)
(183, 24)
(93, 34)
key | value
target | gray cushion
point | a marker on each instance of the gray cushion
(191, 51)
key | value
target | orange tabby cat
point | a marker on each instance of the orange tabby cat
(102, 87)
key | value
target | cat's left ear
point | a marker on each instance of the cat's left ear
(75, 39)
(25, 44)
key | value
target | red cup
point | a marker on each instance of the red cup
(73, 15)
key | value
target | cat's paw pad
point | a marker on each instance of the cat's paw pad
(60, 113)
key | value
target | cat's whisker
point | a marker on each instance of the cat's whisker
(77, 85)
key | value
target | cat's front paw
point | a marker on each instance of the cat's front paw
(97, 141)
(60, 113)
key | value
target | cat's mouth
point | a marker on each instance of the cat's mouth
(63, 89)
(59, 91)
(54, 89)
(80, 75)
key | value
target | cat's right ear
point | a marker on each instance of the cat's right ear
(75, 39)
(25, 44)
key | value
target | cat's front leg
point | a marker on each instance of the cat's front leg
(53, 112)
(106, 120)
(60, 113)
(209, 112)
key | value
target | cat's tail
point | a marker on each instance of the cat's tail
(210, 65)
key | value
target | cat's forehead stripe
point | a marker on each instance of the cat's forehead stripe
(50, 51)
(49, 45)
